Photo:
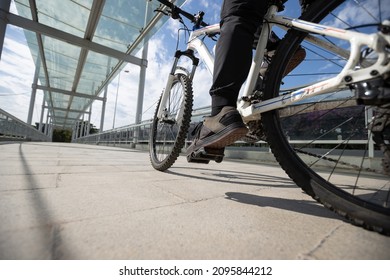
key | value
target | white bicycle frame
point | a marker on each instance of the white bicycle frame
(350, 72)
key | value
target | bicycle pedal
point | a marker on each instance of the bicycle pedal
(205, 155)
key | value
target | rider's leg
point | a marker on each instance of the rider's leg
(239, 21)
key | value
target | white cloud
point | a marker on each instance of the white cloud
(159, 64)
(16, 76)
(358, 13)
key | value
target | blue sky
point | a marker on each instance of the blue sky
(17, 72)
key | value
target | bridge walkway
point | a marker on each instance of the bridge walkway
(73, 201)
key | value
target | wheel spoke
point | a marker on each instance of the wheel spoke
(325, 143)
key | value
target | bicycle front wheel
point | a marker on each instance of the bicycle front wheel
(323, 143)
(169, 131)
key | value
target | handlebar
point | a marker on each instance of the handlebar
(176, 12)
(166, 3)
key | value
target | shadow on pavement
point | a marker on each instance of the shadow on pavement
(302, 206)
(236, 177)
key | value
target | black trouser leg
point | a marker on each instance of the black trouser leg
(239, 21)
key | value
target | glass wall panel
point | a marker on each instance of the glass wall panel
(119, 26)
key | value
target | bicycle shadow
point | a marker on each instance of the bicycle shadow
(307, 207)
(236, 177)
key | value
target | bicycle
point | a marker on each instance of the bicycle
(280, 110)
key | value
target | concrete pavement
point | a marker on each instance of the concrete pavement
(71, 201)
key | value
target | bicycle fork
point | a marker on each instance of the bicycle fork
(163, 110)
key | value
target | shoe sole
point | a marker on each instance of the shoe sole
(225, 137)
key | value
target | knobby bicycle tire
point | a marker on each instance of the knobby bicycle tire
(168, 134)
(322, 175)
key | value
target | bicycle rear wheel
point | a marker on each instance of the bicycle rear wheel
(323, 143)
(169, 132)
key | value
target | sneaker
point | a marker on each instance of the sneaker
(218, 131)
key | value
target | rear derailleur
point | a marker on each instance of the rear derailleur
(376, 92)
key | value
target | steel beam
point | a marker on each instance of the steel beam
(34, 90)
(43, 29)
(4, 8)
(96, 11)
(67, 92)
(65, 110)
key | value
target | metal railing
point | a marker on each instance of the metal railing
(138, 135)
(328, 145)
(123, 135)
(13, 129)
(130, 134)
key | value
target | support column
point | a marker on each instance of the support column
(89, 120)
(74, 132)
(116, 99)
(104, 98)
(82, 129)
(42, 112)
(46, 124)
(103, 108)
(50, 134)
(34, 90)
(141, 85)
(32, 103)
(4, 5)
(77, 129)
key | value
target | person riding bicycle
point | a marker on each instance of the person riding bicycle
(240, 22)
